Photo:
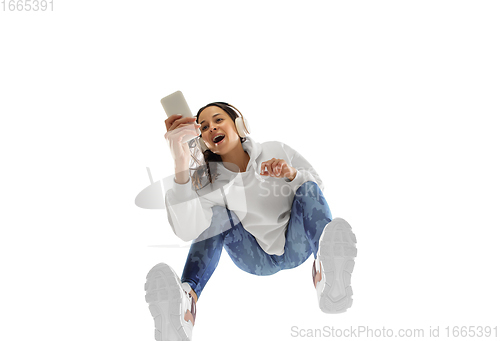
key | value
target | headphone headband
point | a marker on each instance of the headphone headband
(224, 103)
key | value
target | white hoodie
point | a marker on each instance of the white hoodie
(261, 203)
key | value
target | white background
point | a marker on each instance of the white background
(395, 104)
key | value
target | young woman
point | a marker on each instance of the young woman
(263, 203)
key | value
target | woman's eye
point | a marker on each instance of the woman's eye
(218, 119)
(203, 128)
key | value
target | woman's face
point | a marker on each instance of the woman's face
(218, 130)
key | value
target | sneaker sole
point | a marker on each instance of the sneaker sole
(164, 295)
(337, 250)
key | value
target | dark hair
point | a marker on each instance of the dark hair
(211, 159)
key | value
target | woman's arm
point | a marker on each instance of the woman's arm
(293, 167)
(305, 171)
(188, 214)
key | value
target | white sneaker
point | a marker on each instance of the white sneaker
(172, 307)
(333, 267)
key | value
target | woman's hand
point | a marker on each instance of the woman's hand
(278, 168)
(177, 128)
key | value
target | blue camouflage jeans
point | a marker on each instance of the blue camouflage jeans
(308, 217)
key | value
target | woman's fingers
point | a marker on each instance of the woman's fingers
(270, 167)
(180, 121)
(180, 131)
(264, 165)
(175, 120)
(280, 167)
(169, 121)
(190, 125)
(263, 171)
(275, 167)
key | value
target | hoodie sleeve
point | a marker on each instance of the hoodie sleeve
(305, 171)
(188, 214)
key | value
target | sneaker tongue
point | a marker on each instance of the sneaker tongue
(314, 273)
(193, 309)
(186, 287)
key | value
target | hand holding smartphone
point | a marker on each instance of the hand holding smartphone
(176, 104)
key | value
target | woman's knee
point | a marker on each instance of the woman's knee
(309, 198)
(309, 189)
(252, 263)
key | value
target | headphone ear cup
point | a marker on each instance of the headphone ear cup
(242, 126)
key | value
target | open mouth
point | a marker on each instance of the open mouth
(219, 138)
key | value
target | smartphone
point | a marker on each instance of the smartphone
(176, 104)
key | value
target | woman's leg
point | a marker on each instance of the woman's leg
(246, 253)
(309, 215)
(240, 245)
(308, 218)
(205, 251)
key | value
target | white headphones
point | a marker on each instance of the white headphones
(242, 126)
